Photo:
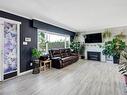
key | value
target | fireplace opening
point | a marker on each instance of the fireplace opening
(94, 56)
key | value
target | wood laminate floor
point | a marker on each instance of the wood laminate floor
(80, 78)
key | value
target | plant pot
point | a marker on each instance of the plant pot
(116, 59)
(125, 76)
(36, 65)
(82, 57)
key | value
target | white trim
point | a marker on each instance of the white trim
(26, 72)
(10, 21)
(65, 42)
(18, 49)
(1, 50)
(2, 54)
(52, 33)
(11, 72)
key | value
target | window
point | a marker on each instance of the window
(68, 42)
(47, 40)
(56, 41)
(41, 41)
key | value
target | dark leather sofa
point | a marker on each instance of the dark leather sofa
(62, 57)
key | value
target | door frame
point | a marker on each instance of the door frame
(2, 20)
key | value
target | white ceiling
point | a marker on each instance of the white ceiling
(76, 15)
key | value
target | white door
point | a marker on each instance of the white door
(9, 42)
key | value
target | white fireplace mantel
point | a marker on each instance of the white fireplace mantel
(94, 47)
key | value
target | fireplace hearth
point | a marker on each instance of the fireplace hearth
(94, 56)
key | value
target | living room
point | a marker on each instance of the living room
(63, 47)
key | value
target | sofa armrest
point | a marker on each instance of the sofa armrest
(56, 58)
(74, 54)
(57, 62)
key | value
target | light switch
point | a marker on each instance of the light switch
(25, 43)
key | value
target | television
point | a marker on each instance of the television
(93, 38)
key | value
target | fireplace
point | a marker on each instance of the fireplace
(94, 56)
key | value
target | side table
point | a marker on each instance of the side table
(46, 62)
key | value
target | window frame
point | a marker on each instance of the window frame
(47, 39)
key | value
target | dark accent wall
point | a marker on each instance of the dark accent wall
(51, 28)
(28, 28)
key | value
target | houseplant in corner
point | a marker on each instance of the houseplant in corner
(106, 34)
(82, 50)
(123, 66)
(36, 55)
(114, 48)
(121, 36)
(75, 46)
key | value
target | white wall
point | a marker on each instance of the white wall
(114, 31)
(94, 46)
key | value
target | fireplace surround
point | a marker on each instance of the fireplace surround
(94, 55)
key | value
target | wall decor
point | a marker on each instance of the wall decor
(10, 47)
(9, 41)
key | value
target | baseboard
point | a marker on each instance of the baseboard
(26, 72)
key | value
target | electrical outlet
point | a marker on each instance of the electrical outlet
(31, 64)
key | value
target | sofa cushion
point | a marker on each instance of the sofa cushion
(72, 57)
(62, 50)
(69, 58)
(56, 53)
(68, 52)
(65, 59)
(65, 53)
(62, 53)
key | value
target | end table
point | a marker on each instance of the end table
(46, 62)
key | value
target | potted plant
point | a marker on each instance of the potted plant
(121, 36)
(36, 55)
(82, 50)
(106, 34)
(75, 47)
(125, 76)
(114, 48)
(123, 66)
